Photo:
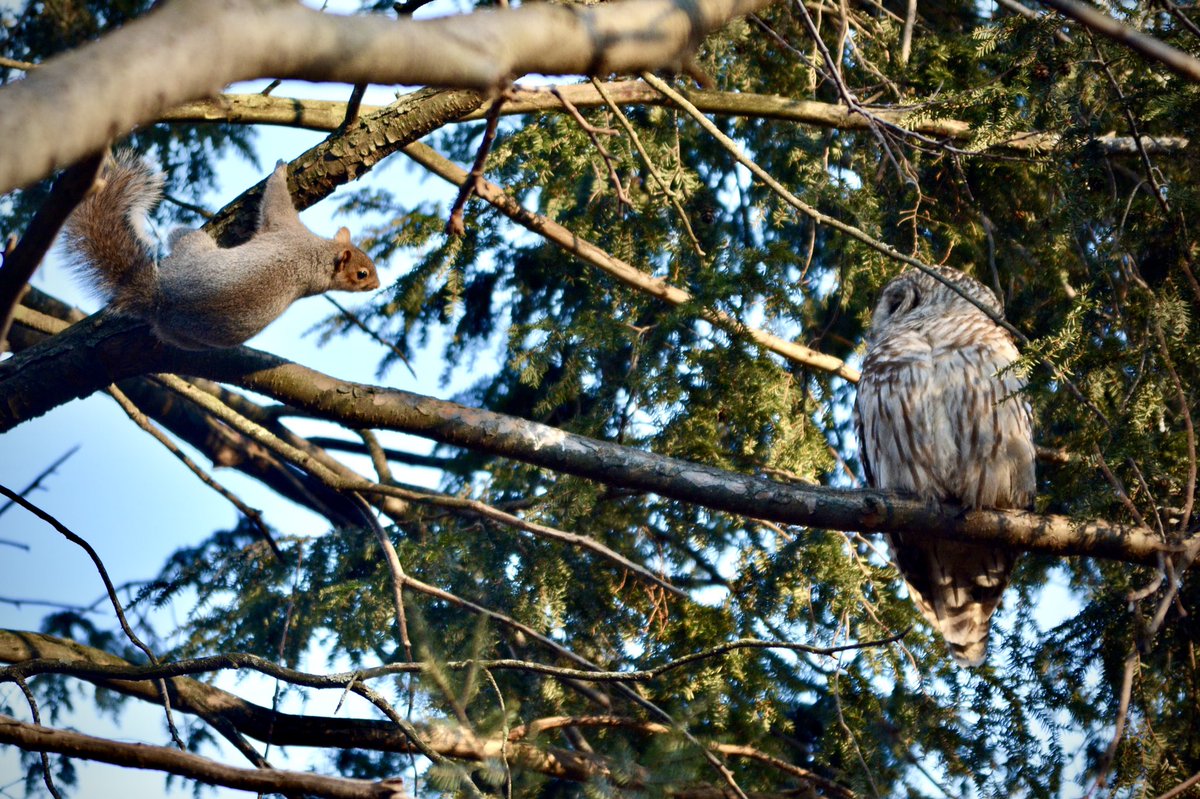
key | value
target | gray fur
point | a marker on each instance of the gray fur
(203, 296)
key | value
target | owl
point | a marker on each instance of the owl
(938, 416)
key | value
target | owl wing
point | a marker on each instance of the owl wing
(937, 420)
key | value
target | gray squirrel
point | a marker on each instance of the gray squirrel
(203, 296)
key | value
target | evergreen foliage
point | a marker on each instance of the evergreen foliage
(1094, 255)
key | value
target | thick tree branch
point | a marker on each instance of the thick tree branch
(37, 738)
(192, 48)
(22, 261)
(223, 446)
(1175, 60)
(105, 348)
(38, 653)
(257, 109)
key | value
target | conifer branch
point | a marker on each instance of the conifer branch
(626, 273)
(37, 653)
(105, 348)
(37, 738)
(255, 109)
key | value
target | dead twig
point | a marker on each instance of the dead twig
(455, 225)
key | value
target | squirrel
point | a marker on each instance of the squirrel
(203, 296)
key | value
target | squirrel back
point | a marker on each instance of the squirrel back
(108, 237)
(204, 296)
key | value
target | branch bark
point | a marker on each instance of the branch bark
(327, 114)
(192, 48)
(105, 348)
(37, 738)
(43, 654)
(1175, 60)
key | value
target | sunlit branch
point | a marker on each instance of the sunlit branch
(36, 738)
(105, 348)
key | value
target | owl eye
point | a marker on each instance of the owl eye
(903, 300)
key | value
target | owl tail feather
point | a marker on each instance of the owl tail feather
(957, 587)
(966, 634)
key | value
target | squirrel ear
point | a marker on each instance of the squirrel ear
(343, 258)
(343, 236)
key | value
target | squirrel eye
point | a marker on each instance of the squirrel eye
(363, 274)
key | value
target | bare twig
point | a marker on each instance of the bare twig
(37, 482)
(910, 21)
(140, 419)
(396, 570)
(12, 63)
(1126, 690)
(470, 185)
(593, 133)
(663, 186)
(47, 776)
(353, 319)
(112, 596)
(486, 511)
(353, 105)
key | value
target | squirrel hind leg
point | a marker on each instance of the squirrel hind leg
(186, 240)
(276, 210)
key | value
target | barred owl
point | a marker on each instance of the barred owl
(936, 418)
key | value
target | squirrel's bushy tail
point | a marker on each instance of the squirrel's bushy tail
(106, 234)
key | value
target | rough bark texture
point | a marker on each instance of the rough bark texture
(105, 348)
(347, 156)
(192, 48)
(37, 738)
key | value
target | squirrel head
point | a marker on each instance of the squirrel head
(352, 269)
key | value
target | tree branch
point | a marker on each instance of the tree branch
(626, 273)
(37, 653)
(326, 115)
(285, 729)
(193, 48)
(37, 738)
(1175, 60)
(105, 348)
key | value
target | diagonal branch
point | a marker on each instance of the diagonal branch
(37, 738)
(105, 348)
(628, 274)
(1175, 60)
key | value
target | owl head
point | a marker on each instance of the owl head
(914, 297)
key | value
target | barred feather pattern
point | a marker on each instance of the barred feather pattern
(106, 234)
(938, 416)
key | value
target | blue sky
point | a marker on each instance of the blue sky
(135, 503)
